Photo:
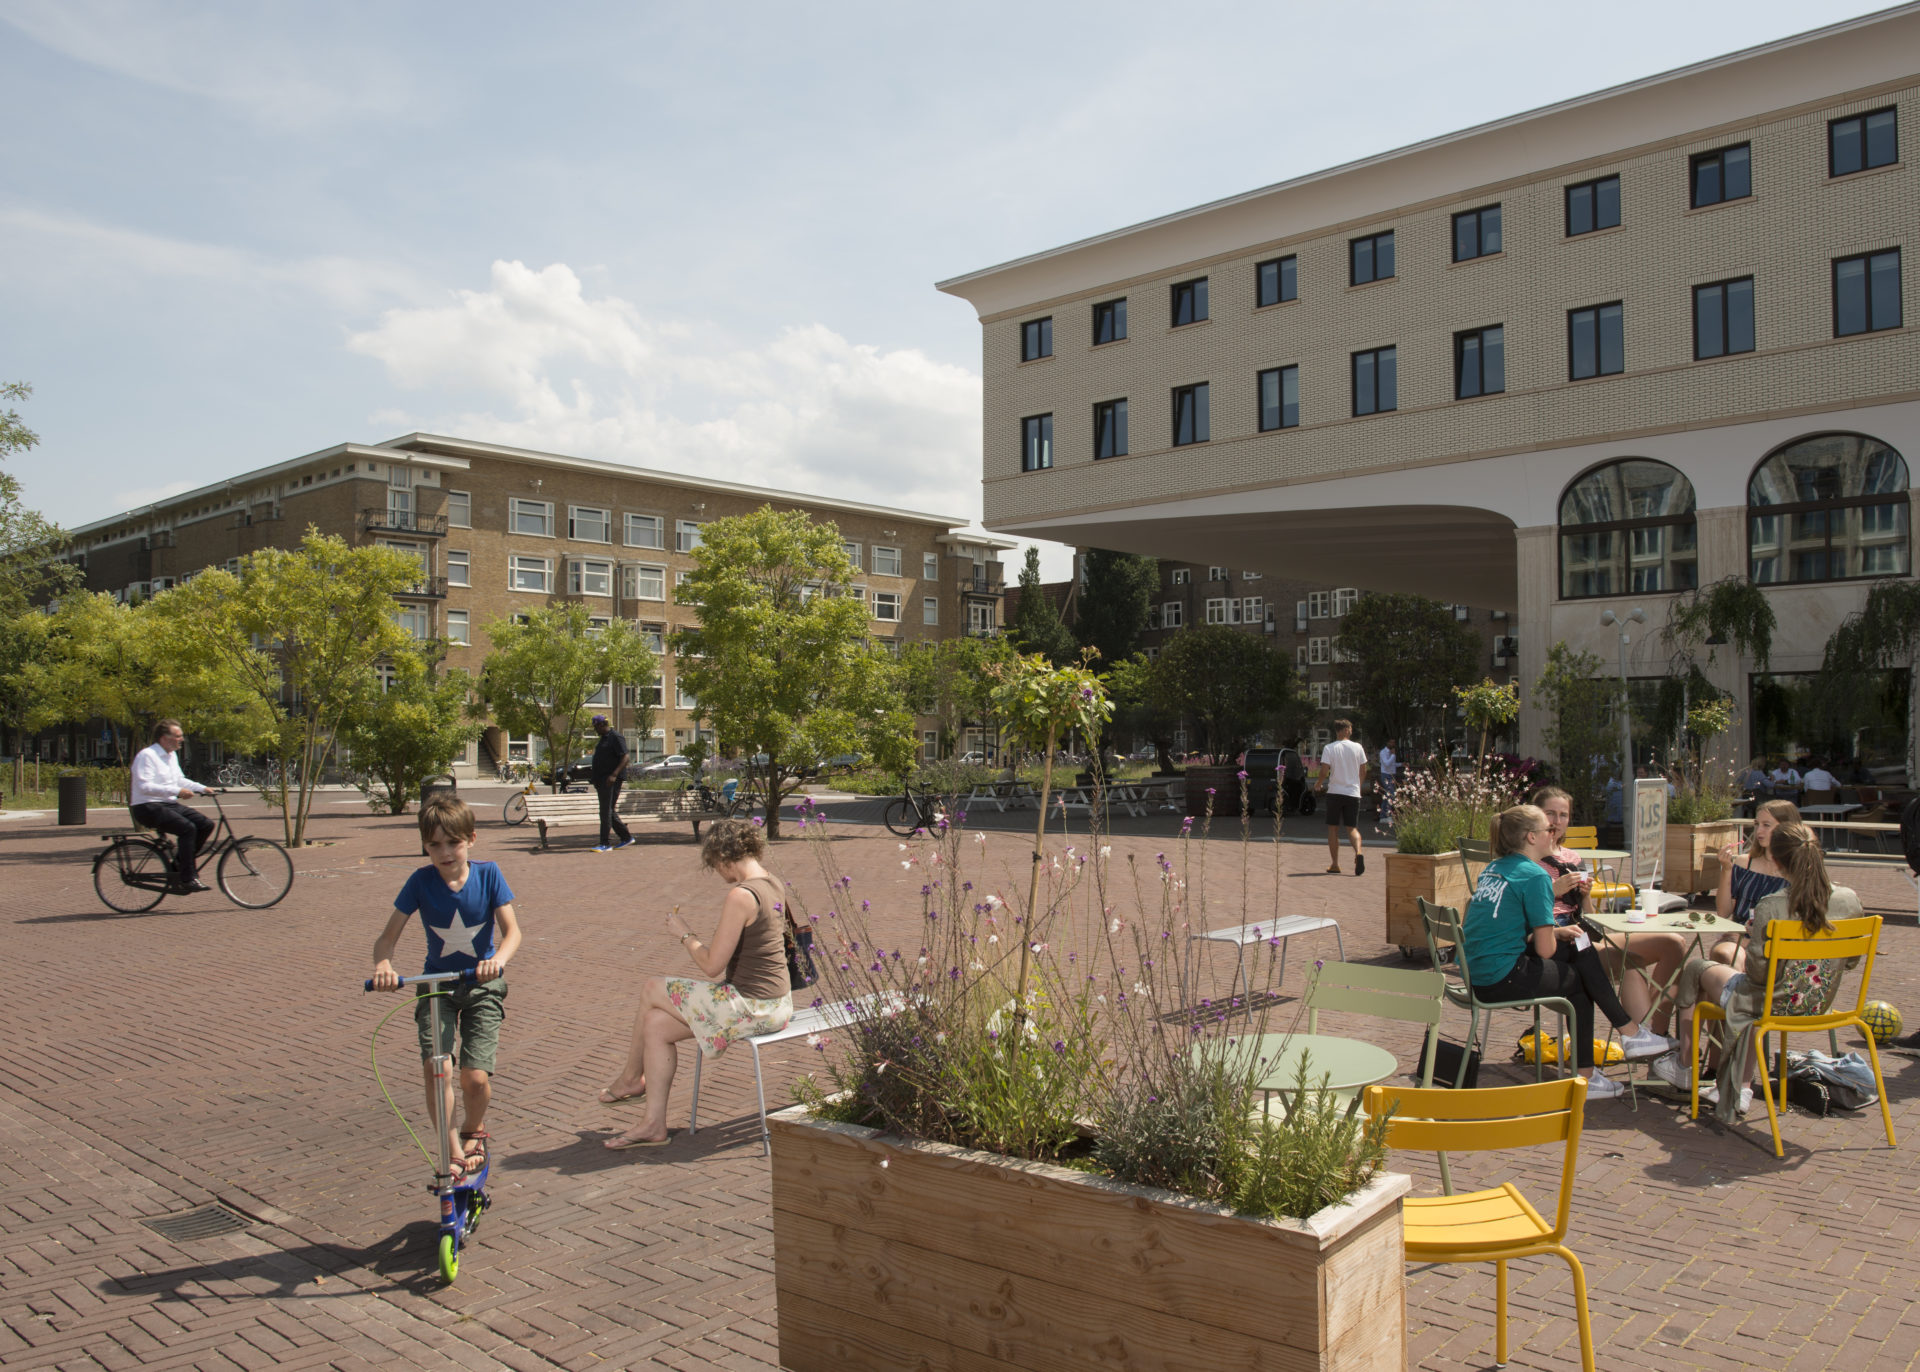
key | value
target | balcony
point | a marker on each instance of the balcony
(976, 632)
(991, 584)
(426, 588)
(378, 521)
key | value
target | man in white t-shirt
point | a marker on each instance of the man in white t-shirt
(158, 788)
(1343, 767)
(1786, 777)
(1389, 777)
(1818, 778)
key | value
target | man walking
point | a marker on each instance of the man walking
(1343, 768)
(1389, 777)
(158, 788)
(609, 771)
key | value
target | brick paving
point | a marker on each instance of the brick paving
(155, 1063)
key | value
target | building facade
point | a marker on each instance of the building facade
(1587, 358)
(499, 530)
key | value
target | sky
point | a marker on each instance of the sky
(694, 238)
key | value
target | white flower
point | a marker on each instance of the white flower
(1038, 948)
(1100, 999)
(885, 1161)
(980, 838)
(815, 1040)
(908, 862)
(1114, 927)
(923, 962)
(903, 847)
(1106, 850)
(993, 938)
(994, 902)
(881, 1070)
(1140, 988)
(976, 966)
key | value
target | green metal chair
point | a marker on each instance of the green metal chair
(1443, 925)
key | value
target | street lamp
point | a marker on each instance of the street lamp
(1607, 620)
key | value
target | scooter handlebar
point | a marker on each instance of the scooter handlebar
(469, 975)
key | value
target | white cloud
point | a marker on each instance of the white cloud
(808, 410)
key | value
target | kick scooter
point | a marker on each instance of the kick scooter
(462, 1202)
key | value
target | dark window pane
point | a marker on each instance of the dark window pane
(1200, 299)
(1037, 443)
(1466, 237)
(1706, 181)
(1708, 339)
(1389, 386)
(1270, 399)
(1490, 229)
(1289, 278)
(1579, 209)
(1613, 352)
(1850, 296)
(1362, 260)
(1493, 360)
(1266, 284)
(1120, 427)
(1606, 208)
(1581, 344)
(1363, 383)
(1844, 152)
(1469, 365)
(1203, 422)
(1383, 256)
(1883, 146)
(1190, 418)
(1736, 173)
(1289, 397)
(1884, 288)
(1740, 316)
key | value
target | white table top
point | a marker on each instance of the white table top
(1835, 810)
(1603, 854)
(1621, 922)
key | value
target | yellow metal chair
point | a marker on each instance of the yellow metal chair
(1500, 1225)
(1786, 943)
(1585, 837)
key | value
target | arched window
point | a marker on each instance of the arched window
(1828, 508)
(1626, 527)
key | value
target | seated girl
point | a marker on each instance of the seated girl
(1746, 877)
(1510, 940)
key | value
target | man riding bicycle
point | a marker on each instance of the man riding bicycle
(158, 788)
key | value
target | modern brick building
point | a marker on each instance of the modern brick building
(500, 529)
(1582, 359)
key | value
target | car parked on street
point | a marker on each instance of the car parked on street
(579, 770)
(672, 765)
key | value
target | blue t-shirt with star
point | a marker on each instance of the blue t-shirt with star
(458, 924)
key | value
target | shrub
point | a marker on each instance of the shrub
(1432, 811)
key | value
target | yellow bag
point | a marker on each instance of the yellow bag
(1606, 1052)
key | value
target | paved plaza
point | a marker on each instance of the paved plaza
(154, 1064)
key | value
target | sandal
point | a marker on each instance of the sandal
(608, 1098)
(468, 1161)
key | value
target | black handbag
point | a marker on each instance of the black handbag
(1446, 1065)
(799, 942)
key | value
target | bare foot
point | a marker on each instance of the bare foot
(639, 1138)
(623, 1090)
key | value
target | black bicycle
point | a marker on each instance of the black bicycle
(134, 872)
(908, 814)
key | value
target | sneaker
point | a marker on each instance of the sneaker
(602, 848)
(1359, 865)
(1601, 1087)
(1670, 1069)
(1647, 1044)
(1710, 1095)
(626, 842)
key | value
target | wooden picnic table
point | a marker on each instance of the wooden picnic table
(1003, 795)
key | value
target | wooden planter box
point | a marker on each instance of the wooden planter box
(1693, 855)
(1437, 876)
(890, 1253)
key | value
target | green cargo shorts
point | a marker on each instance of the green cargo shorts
(477, 1010)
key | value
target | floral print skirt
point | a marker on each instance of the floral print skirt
(718, 1014)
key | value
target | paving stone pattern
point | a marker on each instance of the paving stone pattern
(152, 1064)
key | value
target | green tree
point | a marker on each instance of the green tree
(1115, 594)
(1580, 728)
(951, 680)
(543, 666)
(1137, 712)
(28, 541)
(1037, 626)
(410, 731)
(1874, 652)
(302, 628)
(1230, 684)
(782, 662)
(1402, 656)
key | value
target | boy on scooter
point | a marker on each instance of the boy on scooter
(466, 911)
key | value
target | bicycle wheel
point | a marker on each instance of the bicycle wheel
(515, 810)
(131, 875)
(902, 818)
(256, 873)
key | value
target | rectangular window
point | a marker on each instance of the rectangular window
(1300, 655)
(1219, 574)
(590, 576)
(1725, 174)
(1343, 698)
(1476, 233)
(929, 745)
(525, 573)
(643, 583)
(1479, 362)
(1866, 293)
(1593, 205)
(646, 531)
(1370, 258)
(1279, 389)
(683, 698)
(1109, 321)
(886, 606)
(1223, 611)
(930, 566)
(1036, 443)
(1723, 318)
(1344, 600)
(1376, 387)
(686, 535)
(530, 517)
(654, 636)
(414, 620)
(459, 568)
(1191, 420)
(1036, 339)
(930, 610)
(649, 694)
(1318, 603)
(1110, 429)
(1317, 652)
(585, 524)
(886, 561)
(1181, 576)
(1173, 614)
(1153, 616)
(459, 510)
(1276, 281)
(1596, 344)
(1189, 301)
(852, 550)
(459, 627)
(1253, 610)
(1861, 141)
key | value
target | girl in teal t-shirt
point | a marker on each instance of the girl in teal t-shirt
(1509, 938)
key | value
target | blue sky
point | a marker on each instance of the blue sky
(693, 237)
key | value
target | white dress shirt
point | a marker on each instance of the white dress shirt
(157, 776)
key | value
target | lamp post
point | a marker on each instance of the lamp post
(1607, 620)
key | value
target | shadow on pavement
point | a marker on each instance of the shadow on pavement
(405, 1259)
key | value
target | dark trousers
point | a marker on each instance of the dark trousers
(189, 828)
(1580, 979)
(610, 810)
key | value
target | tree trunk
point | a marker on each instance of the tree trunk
(776, 778)
(1033, 886)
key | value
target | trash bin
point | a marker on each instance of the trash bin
(434, 786)
(73, 800)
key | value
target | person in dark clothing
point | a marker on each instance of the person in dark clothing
(609, 771)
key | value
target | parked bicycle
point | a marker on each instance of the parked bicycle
(515, 810)
(909, 813)
(134, 872)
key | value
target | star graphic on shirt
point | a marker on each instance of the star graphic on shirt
(458, 937)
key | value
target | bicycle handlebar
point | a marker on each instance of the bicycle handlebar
(430, 978)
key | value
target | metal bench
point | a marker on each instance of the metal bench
(559, 811)
(1265, 931)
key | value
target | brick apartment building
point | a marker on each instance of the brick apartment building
(499, 530)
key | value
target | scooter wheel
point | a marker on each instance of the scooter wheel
(449, 1258)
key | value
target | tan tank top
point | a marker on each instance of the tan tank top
(758, 968)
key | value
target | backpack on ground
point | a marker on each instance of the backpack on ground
(1821, 1084)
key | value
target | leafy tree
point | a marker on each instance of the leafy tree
(1402, 656)
(1230, 684)
(27, 574)
(301, 628)
(411, 731)
(1114, 598)
(782, 662)
(542, 667)
(1488, 706)
(1037, 626)
(1874, 652)
(1580, 729)
(951, 680)
(1137, 711)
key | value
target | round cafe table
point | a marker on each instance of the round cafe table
(1348, 1064)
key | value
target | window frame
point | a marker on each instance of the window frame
(577, 576)
(465, 620)
(1110, 421)
(1036, 339)
(1115, 317)
(1788, 511)
(516, 505)
(1289, 372)
(573, 519)
(929, 609)
(628, 517)
(1286, 281)
(1173, 614)
(1353, 369)
(899, 560)
(686, 535)
(1598, 351)
(1899, 292)
(546, 573)
(1196, 298)
(1479, 338)
(889, 600)
(1036, 442)
(1372, 240)
(1624, 528)
(1861, 119)
(1200, 398)
(1592, 186)
(1479, 218)
(466, 564)
(1696, 160)
(1180, 576)
(929, 566)
(464, 500)
(1726, 318)
(636, 574)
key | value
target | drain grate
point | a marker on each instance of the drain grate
(209, 1221)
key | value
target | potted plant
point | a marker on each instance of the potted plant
(1700, 814)
(1431, 812)
(1035, 1145)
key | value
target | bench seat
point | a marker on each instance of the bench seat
(567, 809)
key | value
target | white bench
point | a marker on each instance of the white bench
(556, 811)
(1263, 931)
(814, 1019)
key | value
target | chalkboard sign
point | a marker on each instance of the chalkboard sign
(1649, 832)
